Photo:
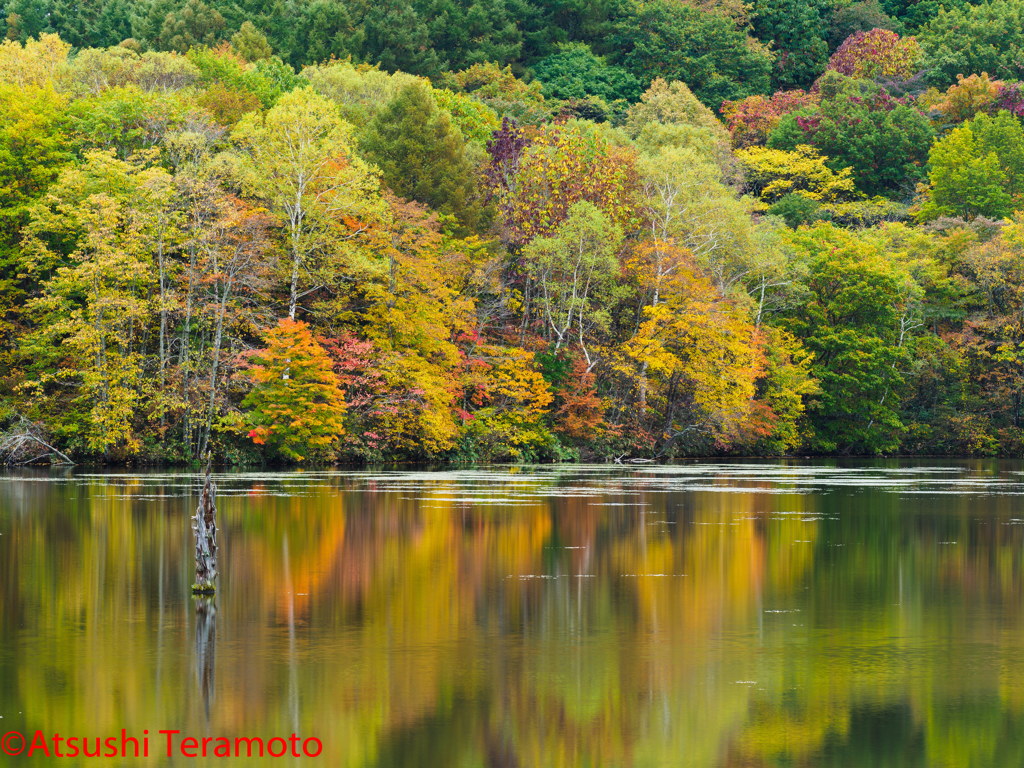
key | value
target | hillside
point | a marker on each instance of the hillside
(510, 230)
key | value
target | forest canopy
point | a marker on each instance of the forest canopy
(478, 230)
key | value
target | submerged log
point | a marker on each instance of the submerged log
(204, 526)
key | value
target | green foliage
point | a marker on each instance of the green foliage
(251, 44)
(476, 121)
(499, 89)
(914, 14)
(858, 125)
(33, 147)
(795, 30)
(669, 114)
(33, 150)
(359, 91)
(859, 16)
(315, 32)
(574, 72)
(977, 170)
(672, 103)
(195, 24)
(125, 119)
(266, 79)
(422, 155)
(972, 39)
(858, 307)
(707, 51)
(796, 209)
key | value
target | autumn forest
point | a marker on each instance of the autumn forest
(510, 230)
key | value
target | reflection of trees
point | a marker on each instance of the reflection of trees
(403, 627)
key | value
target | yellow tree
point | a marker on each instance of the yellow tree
(410, 305)
(775, 173)
(92, 243)
(37, 63)
(538, 177)
(694, 362)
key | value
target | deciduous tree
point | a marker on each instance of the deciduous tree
(296, 405)
(298, 158)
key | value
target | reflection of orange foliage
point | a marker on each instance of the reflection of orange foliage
(315, 570)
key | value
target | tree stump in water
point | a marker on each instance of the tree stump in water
(204, 526)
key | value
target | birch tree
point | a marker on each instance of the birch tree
(298, 157)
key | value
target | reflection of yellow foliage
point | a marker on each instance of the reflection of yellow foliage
(416, 620)
(776, 733)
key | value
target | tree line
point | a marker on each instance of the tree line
(551, 232)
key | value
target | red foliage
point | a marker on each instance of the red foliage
(750, 120)
(877, 53)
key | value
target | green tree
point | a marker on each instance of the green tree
(707, 51)
(796, 209)
(33, 147)
(195, 24)
(913, 14)
(859, 125)
(422, 155)
(856, 321)
(318, 31)
(33, 150)
(467, 32)
(973, 39)
(574, 72)
(250, 43)
(859, 16)
(795, 29)
(26, 19)
(397, 37)
(296, 405)
(91, 23)
(977, 170)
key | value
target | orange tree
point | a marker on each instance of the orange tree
(296, 404)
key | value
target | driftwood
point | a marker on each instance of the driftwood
(21, 442)
(623, 460)
(204, 526)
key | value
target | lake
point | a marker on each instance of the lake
(701, 614)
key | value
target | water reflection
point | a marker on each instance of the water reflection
(704, 615)
(206, 650)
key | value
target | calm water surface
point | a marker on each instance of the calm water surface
(694, 615)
